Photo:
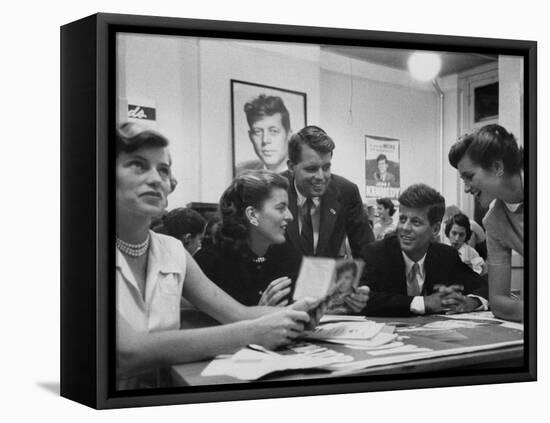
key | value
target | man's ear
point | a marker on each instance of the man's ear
(498, 167)
(250, 136)
(436, 228)
(290, 165)
(186, 238)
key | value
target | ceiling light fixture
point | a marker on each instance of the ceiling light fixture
(424, 66)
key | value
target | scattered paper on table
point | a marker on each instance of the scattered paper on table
(332, 318)
(400, 350)
(248, 364)
(346, 330)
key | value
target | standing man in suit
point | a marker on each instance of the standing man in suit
(326, 207)
(410, 274)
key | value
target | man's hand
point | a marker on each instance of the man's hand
(454, 301)
(357, 301)
(433, 303)
(458, 303)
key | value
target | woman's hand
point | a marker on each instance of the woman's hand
(276, 292)
(315, 308)
(279, 328)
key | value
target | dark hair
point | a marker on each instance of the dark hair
(264, 105)
(210, 231)
(381, 157)
(131, 137)
(181, 221)
(312, 136)
(418, 196)
(459, 220)
(387, 204)
(485, 146)
(249, 189)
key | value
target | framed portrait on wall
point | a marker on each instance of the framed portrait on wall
(134, 341)
(263, 120)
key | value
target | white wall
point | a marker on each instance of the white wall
(510, 93)
(452, 111)
(396, 108)
(154, 69)
(222, 61)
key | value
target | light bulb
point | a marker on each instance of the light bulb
(424, 66)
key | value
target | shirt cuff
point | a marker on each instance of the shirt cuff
(484, 303)
(417, 305)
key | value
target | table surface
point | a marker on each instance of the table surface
(491, 345)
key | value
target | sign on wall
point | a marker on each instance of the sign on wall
(140, 110)
(382, 174)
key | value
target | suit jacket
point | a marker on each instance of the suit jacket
(341, 214)
(385, 275)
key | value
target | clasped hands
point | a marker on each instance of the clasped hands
(449, 299)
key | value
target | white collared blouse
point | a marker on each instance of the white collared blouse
(166, 268)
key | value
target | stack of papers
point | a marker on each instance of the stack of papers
(358, 333)
(254, 362)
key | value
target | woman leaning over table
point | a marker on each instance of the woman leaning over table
(153, 270)
(491, 166)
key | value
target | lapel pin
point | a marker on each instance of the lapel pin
(333, 211)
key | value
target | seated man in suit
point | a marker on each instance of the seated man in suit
(410, 274)
(326, 207)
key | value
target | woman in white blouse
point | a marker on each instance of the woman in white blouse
(154, 270)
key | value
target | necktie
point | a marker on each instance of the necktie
(413, 289)
(307, 228)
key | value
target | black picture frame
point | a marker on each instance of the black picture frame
(88, 121)
(245, 156)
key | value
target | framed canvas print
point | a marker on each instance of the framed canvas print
(278, 144)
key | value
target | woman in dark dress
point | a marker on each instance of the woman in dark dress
(251, 259)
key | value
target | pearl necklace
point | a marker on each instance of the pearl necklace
(134, 250)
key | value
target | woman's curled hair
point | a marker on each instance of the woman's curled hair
(130, 137)
(250, 189)
(487, 144)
